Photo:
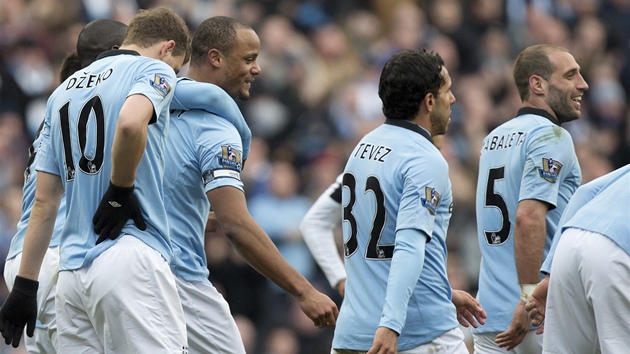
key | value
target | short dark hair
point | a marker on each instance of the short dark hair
(95, 38)
(533, 60)
(218, 32)
(407, 77)
(159, 24)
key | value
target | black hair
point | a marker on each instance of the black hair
(407, 77)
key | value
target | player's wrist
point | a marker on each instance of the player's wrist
(526, 291)
(120, 192)
(25, 286)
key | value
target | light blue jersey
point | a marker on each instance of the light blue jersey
(203, 152)
(28, 198)
(528, 157)
(191, 94)
(582, 196)
(78, 133)
(395, 184)
(607, 214)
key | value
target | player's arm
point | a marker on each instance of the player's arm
(537, 303)
(190, 94)
(41, 224)
(407, 264)
(20, 308)
(529, 242)
(130, 138)
(530, 233)
(317, 229)
(258, 250)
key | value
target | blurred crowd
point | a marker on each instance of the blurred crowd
(317, 95)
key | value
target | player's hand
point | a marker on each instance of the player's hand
(319, 308)
(117, 206)
(19, 310)
(385, 342)
(517, 330)
(536, 304)
(469, 310)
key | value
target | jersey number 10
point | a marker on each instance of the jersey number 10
(86, 164)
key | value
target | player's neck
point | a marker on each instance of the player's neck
(151, 52)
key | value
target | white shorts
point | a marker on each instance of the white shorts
(451, 342)
(44, 339)
(209, 323)
(126, 301)
(588, 303)
(485, 344)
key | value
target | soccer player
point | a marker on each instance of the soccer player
(528, 171)
(95, 38)
(588, 301)
(317, 229)
(205, 155)
(536, 303)
(397, 203)
(102, 142)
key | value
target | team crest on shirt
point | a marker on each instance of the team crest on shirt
(230, 158)
(160, 85)
(550, 170)
(431, 200)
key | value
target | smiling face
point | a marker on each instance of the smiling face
(240, 66)
(440, 116)
(566, 87)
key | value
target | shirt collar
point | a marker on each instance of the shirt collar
(110, 53)
(411, 126)
(538, 112)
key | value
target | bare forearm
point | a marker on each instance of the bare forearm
(130, 139)
(127, 151)
(40, 225)
(529, 244)
(259, 251)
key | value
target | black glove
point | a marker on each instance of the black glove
(18, 310)
(117, 206)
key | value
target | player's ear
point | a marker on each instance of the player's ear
(537, 84)
(214, 57)
(167, 48)
(428, 102)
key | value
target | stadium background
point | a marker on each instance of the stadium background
(317, 95)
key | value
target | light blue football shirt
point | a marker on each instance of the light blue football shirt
(191, 94)
(584, 194)
(81, 117)
(607, 214)
(28, 198)
(395, 181)
(203, 152)
(528, 157)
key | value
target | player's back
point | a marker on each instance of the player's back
(395, 179)
(78, 134)
(607, 213)
(528, 157)
(584, 194)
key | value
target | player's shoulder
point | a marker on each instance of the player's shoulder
(204, 88)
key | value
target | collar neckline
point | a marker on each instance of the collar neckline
(538, 112)
(112, 52)
(411, 126)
